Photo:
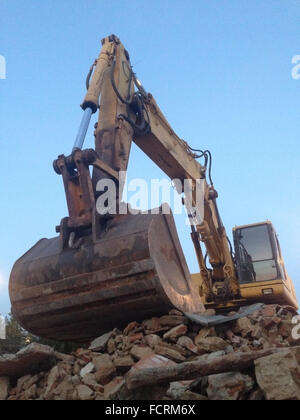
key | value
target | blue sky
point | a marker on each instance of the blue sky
(219, 69)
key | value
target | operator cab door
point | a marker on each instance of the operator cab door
(258, 255)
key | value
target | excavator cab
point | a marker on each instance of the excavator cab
(260, 266)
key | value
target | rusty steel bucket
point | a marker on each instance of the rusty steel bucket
(136, 270)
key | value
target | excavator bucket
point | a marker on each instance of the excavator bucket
(134, 271)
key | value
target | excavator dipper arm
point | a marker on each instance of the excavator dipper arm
(174, 156)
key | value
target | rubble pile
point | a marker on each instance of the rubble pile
(166, 358)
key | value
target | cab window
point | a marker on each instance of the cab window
(255, 257)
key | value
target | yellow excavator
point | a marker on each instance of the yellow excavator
(106, 268)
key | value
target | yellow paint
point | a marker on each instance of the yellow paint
(283, 293)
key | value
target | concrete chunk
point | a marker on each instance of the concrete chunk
(84, 393)
(229, 386)
(100, 343)
(4, 387)
(278, 375)
(140, 352)
(175, 332)
(89, 368)
(211, 344)
(30, 360)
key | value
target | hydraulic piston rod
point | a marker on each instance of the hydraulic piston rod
(85, 122)
(91, 100)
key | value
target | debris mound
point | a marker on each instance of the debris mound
(256, 357)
